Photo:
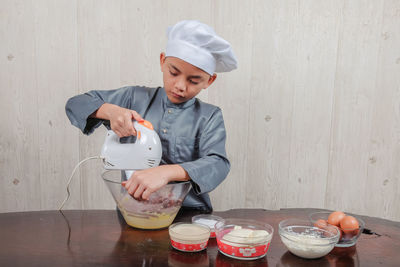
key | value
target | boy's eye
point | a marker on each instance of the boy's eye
(173, 73)
(192, 82)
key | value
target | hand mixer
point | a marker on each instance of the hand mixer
(145, 152)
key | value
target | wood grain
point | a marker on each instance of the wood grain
(93, 238)
(19, 139)
(355, 87)
(99, 34)
(56, 48)
(234, 103)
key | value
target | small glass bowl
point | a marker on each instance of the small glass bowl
(307, 241)
(189, 237)
(209, 220)
(243, 239)
(347, 239)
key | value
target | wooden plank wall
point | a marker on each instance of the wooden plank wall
(312, 113)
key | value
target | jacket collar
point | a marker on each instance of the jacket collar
(169, 104)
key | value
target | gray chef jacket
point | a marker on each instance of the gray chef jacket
(192, 133)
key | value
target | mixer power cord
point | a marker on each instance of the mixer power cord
(72, 175)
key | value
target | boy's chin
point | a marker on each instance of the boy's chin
(176, 100)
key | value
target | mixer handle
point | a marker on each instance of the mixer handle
(142, 127)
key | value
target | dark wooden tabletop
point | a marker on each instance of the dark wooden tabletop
(102, 238)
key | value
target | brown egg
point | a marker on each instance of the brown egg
(349, 225)
(333, 230)
(355, 232)
(341, 235)
(348, 236)
(321, 224)
(335, 218)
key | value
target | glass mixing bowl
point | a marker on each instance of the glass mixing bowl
(306, 241)
(157, 212)
(349, 237)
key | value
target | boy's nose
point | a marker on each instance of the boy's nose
(180, 85)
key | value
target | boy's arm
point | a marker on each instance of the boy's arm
(78, 110)
(81, 109)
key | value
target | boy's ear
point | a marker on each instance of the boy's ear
(211, 80)
(162, 59)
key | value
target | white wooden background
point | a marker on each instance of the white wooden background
(312, 113)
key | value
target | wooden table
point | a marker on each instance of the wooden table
(101, 237)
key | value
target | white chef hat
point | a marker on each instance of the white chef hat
(199, 45)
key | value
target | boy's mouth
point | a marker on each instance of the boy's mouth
(177, 96)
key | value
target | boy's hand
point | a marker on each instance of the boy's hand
(144, 182)
(120, 118)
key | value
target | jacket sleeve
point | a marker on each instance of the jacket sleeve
(212, 166)
(80, 107)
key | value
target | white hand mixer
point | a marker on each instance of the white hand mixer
(144, 153)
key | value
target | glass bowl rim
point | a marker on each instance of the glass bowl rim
(119, 182)
(209, 217)
(360, 221)
(267, 227)
(283, 233)
(280, 227)
(171, 228)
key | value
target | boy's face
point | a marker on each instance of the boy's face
(182, 80)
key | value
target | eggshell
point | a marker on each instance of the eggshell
(347, 236)
(333, 230)
(321, 224)
(355, 232)
(341, 234)
(349, 224)
(335, 218)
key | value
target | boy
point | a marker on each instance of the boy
(192, 132)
